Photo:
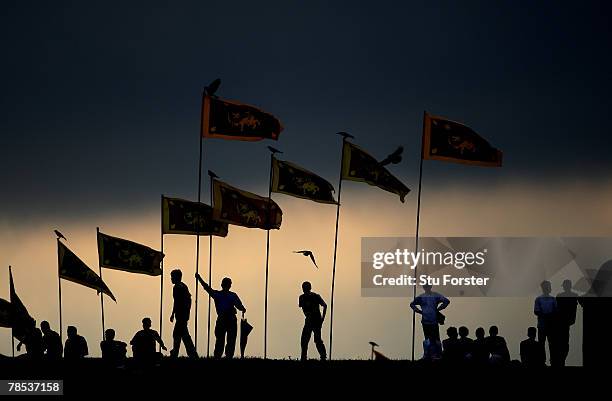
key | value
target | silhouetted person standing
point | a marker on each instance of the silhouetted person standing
(226, 303)
(180, 312)
(567, 303)
(310, 302)
(532, 352)
(451, 349)
(430, 303)
(480, 349)
(466, 344)
(113, 351)
(76, 345)
(143, 343)
(496, 344)
(52, 343)
(545, 308)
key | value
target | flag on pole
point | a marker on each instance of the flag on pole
(451, 141)
(22, 322)
(6, 313)
(379, 356)
(180, 216)
(358, 165)
(237, 121)
(120, 254)
(291, 179)
(242, 208)
(73, 269)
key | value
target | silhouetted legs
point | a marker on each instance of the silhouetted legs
(546, 333)
(181, 333)
(227, 325)
(307, 331)
(562, 344)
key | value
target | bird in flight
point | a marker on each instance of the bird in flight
(273, 150)
(394, 157)
(309, 254)
(59, 235)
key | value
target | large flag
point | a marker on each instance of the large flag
(6, 313)
(22, 322)
(120, 254)
(358, 165)
(451, 141)
(291, 179)
(73, 269)
(236, 121)
(180, 216)
(242, 208)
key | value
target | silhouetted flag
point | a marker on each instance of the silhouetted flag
(22, 322)
(291, 179)
(120, 254)
(451, 141)
(245, 330)
(242, 208)
(180, 216)
(358, 165)
(73, 269)
(6, 313)
(236, 121)
(378, 356)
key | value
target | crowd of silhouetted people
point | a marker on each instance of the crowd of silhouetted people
(555, 316)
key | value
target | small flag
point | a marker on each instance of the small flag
(358, 165)
(22, 322)
(73, 269)
(6, 313)
(242, 208)
(451, 141)
(291, 179)
(180, 216)
(236, 121)
(379, 356)
(120, 254)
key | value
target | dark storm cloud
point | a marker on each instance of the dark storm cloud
(100, 103)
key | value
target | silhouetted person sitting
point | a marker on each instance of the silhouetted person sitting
(143, 343)
(480, 348)
(532, 352)
(497, 347)
(113, 351)
(76, 345)
(451, 349)
(226, 303)
(567, 303)
(310, 302)
(430, 303)
(466, 344)
(180, 312)
(52, 343)
(545, 308)
(33, 341)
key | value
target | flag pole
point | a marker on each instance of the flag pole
(12, 328)
(161, 277)
(210, 253)
(333, 286)
(59, 290)
(416, 241)
(101, 293)
(197, 264)
(272, 152)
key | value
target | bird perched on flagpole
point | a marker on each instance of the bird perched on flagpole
(308, 254)
(394, 157)
(59, 235)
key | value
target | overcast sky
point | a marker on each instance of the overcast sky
(100, 101)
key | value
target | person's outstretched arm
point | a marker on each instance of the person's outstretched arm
(238, 304)
(204, 284)
(160, 341)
